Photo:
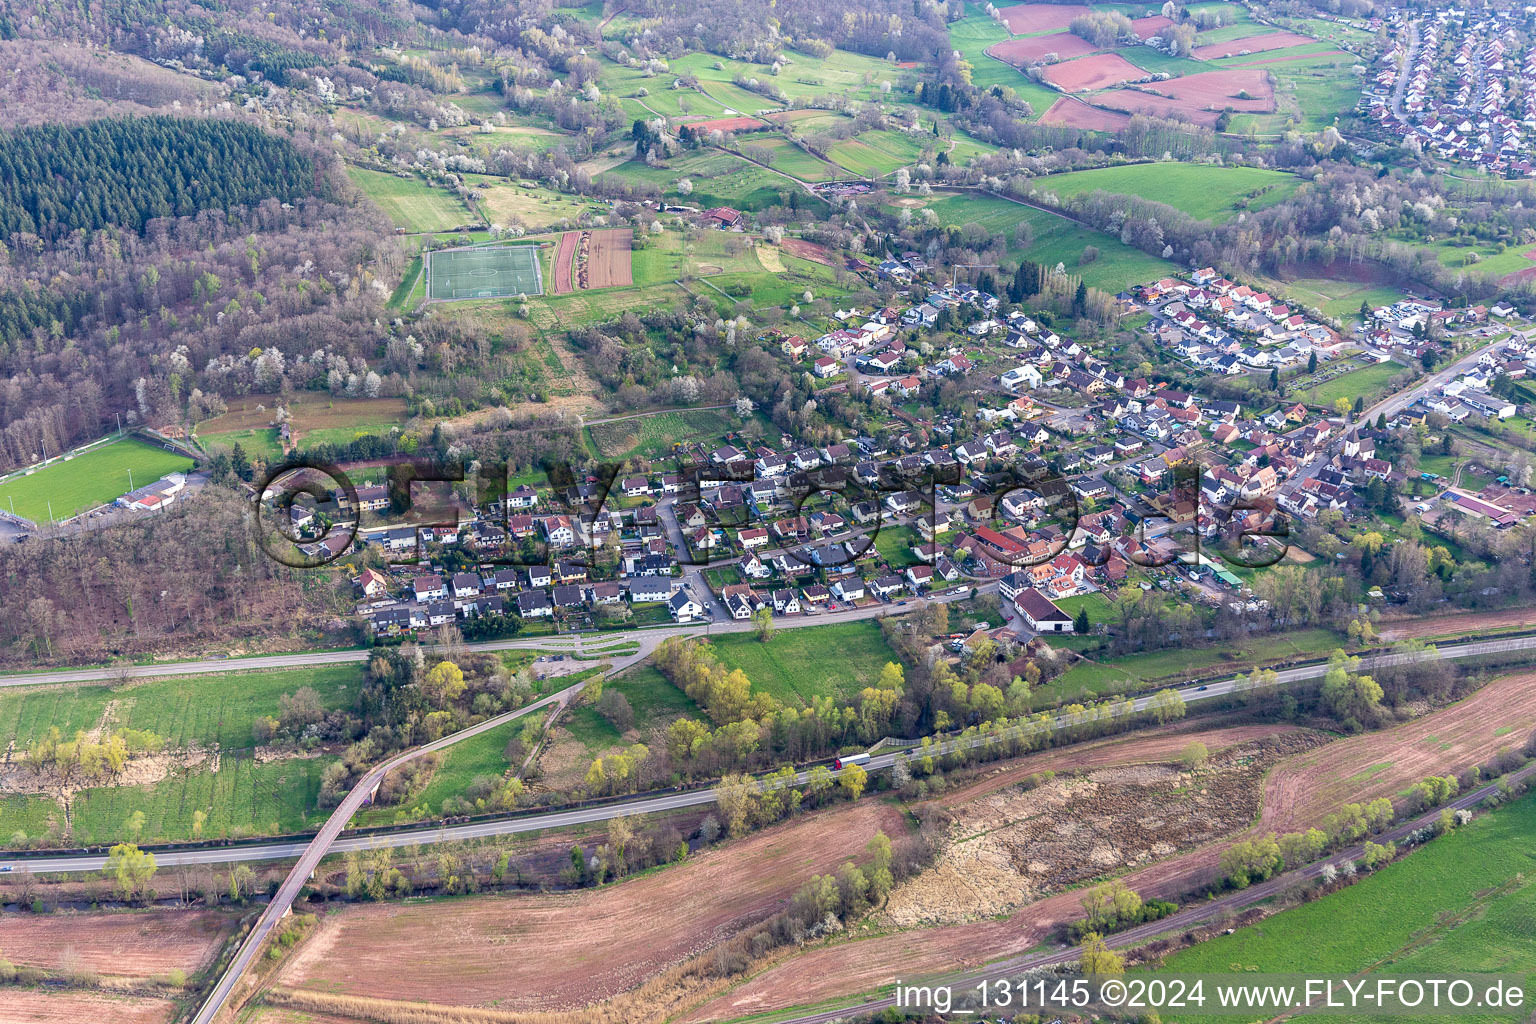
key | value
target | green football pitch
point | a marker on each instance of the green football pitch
(484, 273)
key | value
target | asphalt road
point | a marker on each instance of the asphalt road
(651, 637)
(326, 841)
(311, 854)
(646, 805)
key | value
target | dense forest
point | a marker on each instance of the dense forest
(126, 171)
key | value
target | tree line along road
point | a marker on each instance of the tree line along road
(327, 840)
(217, 854)
(1199, 914)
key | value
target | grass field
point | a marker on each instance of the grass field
(242, 797)
(651, 437)
(198, 712)
(186, 711)
(963, 149)
(1200, 190)
(87, 480)
(794, 666)
(875, 154)
(1055, 240)
(1369, 381)
(844, 73)
(494, 272)
(791, 159)
(1339, 299)
(507, 203)
(719, 179)
(1310, 94)
(971, 36)
(412, 204)
(315, 418)
(1117, 675)
(1463, 903)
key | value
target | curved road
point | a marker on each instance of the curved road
(589, 642)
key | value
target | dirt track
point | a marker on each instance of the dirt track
(564, 950)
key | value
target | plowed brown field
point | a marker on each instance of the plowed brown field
(1097, 72)
(609, 258)
(128, 943)
(1153, 746)
(1304, 789)
(1200, 97)
(1463, 623)
(1023, 19)
(565, 253)
(728, 124)
(1146, 28)
(800, 248)
(564, 950)
(1020, 52)
(1253, 44)
(1441, 742)
(37, 1006)
(1291, 57)
(1077, 114)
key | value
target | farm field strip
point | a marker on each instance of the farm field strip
(577, 947)
(843, 969)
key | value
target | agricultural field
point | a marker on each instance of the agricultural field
(1002, 923)
(209, 763)
(719, 179)
(875, 154)
(1309, 94)
(791, 159)
(651, 436)
(576, 947)
(1203, 191)
(138, 944)
(1462, 903)
(84, 481)
(1385, 763)
(793, 665)
(803, 77)
(412, 204)
(42, 1006)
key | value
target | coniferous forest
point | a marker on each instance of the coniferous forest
(127, 171)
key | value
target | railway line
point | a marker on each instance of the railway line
(329, 840)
